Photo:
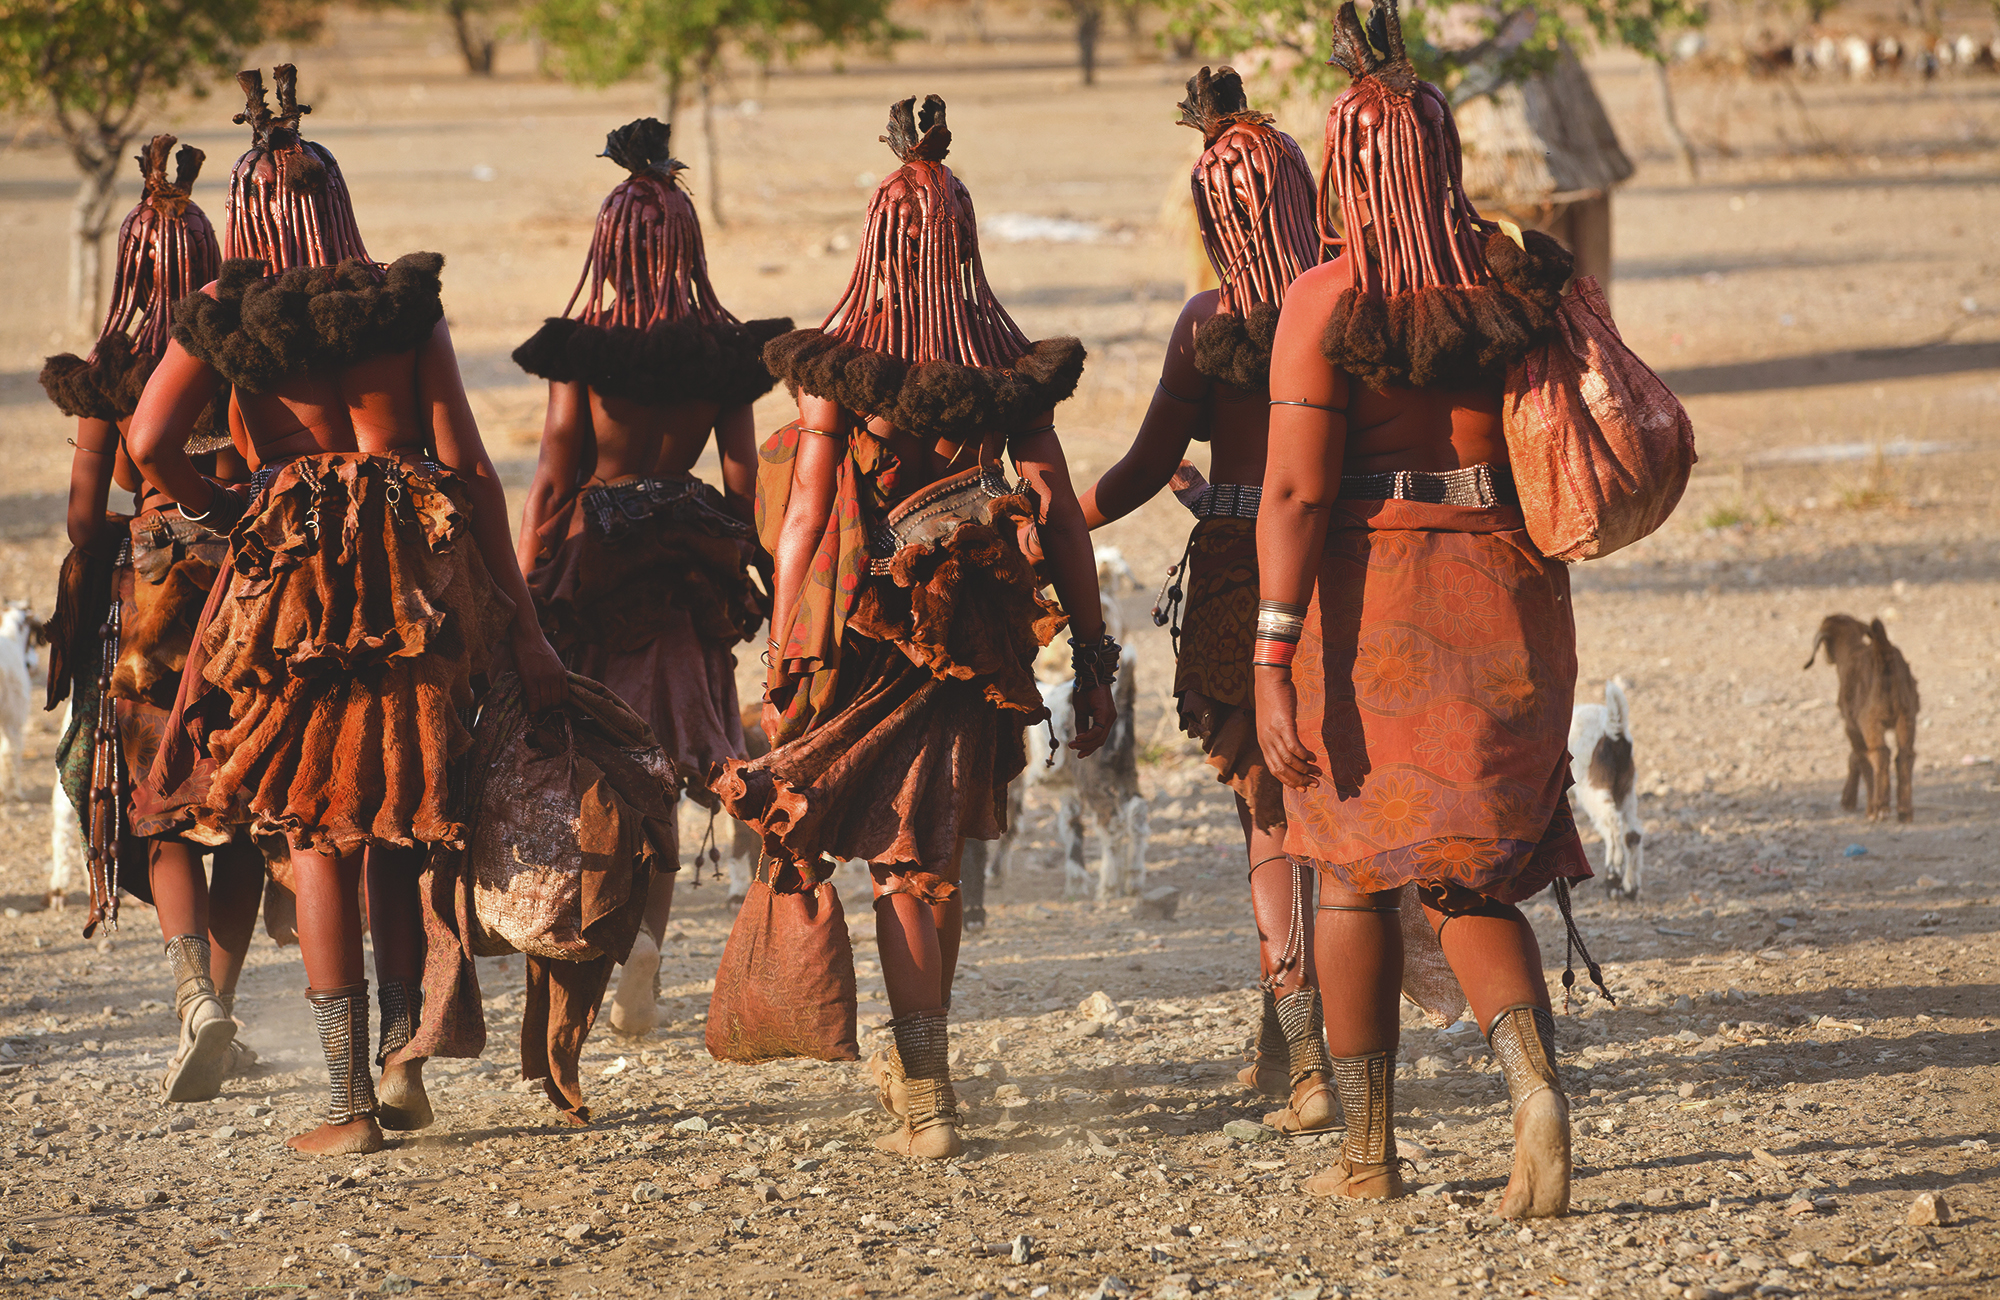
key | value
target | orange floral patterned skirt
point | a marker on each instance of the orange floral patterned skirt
(1435, 677)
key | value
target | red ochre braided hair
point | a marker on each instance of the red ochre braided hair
(1253, 195)
(646, 262)
(919, 291)
(166, 248)
(1439, 297)
(288, 203)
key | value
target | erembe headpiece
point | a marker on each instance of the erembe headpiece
(918, 337)
(288, 203)
(1441, 298)
(650, 329)
(1253, 201)
(166, 248)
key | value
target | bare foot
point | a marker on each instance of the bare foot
(357, 1137)
(1539, 1188)
(939, 1142)
(400, 1101)
(1267, 1078)
(1361, 1182)
(1312, 1109)
(633, 1011)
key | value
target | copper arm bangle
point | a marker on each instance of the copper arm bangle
(824, 433)
(1331, 410)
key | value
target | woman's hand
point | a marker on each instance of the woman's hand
(1095, 712)
(1278, 729)
(544, 680)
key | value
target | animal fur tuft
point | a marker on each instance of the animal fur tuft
(674, 361)
(1236, 350)
(106, 387)
(936, 399)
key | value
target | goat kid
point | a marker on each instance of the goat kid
(1876, 693)
(1600, 748)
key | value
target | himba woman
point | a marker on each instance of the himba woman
(640, 570)
(147, 576)
(908, 612)
(370, 577)
(1253, 197)
(1415, 655)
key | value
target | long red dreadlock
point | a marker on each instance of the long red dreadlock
(1440, 298)
(288, 203)
(1253, 195)
(646, 262)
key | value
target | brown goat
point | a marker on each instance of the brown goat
(1877, 692)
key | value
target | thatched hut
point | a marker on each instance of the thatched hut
(1542, 154)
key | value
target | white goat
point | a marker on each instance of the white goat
(1600, 747)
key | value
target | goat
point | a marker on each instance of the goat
(1876, 692)
(1600, 748)
(20, 633)
(1100, 792)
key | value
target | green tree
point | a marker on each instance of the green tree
(598, 42)
(96, 67)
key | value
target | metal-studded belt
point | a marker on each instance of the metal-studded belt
(933, 513)
(617, 507)
(1227, 501)
(1478, 486)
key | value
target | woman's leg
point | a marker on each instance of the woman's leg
(1361, 936)
(236, 888)
(1291, 1038)
(180, 897)
(329, 894)
(635, 1004)
(396, 923)
(1493, 951)
(916, 1083)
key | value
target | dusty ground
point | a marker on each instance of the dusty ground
(1804, 1038)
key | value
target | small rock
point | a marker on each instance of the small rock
(1765, 1158)
(1855, 851)
(765, 1192)
(397, 1284)
(1694, 1088)
(1800, 1207)
(152, 1196)
(185, 1275)
(707, 1182)
(1090, 1029)
(257, 1110)
(1244, 1130)
(289, 1261)
(692, 1124)
(1098, 1006)
(1656, 1196)
(644, 1193)
(226, 1132)
(140, 1292)
(804, 1166)
(1158, 904)
(576, 1232)
(1024, 1249)
(1865, 1257)
(1929, 1210)
(1801, 1259)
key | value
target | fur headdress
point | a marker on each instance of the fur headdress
(650, 329)
(918, 337)
(288, 203)
(1440, 297)
(1253, 199)
(166, 248)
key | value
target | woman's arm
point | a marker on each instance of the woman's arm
(566, 434)
(90, 478)
(180, 389)
(736, 445)
(815, 477)
(455, 436)
(1301, 481)
(1179, 411)
(1071, 565)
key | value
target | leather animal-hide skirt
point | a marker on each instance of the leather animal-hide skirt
(357, 612)
(926, 732)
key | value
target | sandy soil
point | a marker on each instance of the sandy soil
(1804, 1038)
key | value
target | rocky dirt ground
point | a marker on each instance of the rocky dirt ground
(1804, 1041)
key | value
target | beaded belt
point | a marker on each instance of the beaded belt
(1479, 486)
(933, 513)
(261, 480)
(1227, 501)
(616, 507)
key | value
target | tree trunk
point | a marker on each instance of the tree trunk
(1683, 147)
(89, 218)
(1089, 24)
(475, 45)
(714, 177)
(673, 88)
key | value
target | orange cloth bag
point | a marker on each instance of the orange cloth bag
(1601, 448)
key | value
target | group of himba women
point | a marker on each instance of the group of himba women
(318, 577)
